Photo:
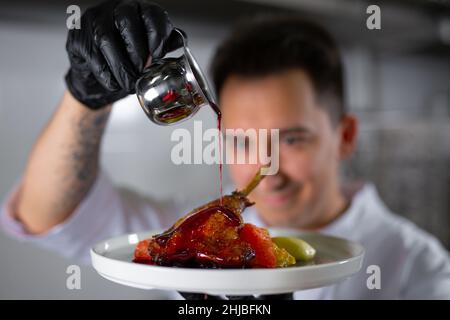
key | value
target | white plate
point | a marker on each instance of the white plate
(336, 259)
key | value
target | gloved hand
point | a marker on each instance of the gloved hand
(110, 50)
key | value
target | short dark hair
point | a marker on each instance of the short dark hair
(268, 45)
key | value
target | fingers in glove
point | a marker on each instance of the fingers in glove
(110, 44)
(86, 57)
(133, 32)
(158, 28)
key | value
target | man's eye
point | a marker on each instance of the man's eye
(293, 140)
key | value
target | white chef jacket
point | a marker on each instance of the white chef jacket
(412, 263)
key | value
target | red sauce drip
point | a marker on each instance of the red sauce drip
(219, 128)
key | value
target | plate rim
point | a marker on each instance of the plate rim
(343, 269)
(326, 264)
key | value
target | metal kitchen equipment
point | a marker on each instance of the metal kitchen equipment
(173, 89)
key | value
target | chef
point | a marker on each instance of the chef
(273, 73)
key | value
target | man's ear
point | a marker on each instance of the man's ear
(348, 135)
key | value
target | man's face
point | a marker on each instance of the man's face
(305, 189)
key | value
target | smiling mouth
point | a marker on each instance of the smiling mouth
(279, 198)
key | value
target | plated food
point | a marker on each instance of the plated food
(215, 236)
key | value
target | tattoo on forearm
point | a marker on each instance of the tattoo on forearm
(83, 157)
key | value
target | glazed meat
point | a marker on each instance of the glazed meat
(215, 236)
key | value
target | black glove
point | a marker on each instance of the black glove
(110, 50)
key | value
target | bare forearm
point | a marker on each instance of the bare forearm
(63, 165)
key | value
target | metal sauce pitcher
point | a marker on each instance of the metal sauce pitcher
(173, 89)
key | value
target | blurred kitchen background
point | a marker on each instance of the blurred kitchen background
(398, 83)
